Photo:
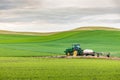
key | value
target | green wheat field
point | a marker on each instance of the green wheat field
(19, 68)
(21, 56)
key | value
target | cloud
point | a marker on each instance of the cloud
(117, 3)
(19, 4)
(56, 16)
(49, 15)
(79, 3)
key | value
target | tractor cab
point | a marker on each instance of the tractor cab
(76, 46)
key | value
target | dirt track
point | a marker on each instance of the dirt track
(84, 57)
(92, 57)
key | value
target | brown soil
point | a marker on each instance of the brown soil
(95, 57)
(84, 57)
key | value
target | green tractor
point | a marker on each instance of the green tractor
(77, 51)
(74, 51)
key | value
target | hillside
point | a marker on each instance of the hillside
(55, 44)
(96, 28)
(25, 33)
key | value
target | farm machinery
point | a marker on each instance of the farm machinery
(77, 51)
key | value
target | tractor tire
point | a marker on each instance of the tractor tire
(86, 54)
(68, 54)
(93, 54)
(75, 53)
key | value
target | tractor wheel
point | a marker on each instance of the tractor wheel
(75, 53)
(93, 54)
(86, 54)
(68, 54)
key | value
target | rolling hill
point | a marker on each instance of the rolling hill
(37, 44)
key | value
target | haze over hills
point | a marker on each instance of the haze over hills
(50, 33)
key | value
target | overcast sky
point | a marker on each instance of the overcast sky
(57, 15)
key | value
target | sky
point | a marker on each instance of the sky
(57, 15)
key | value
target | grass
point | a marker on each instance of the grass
(19, 55)
(35, 68)
(55, 44)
